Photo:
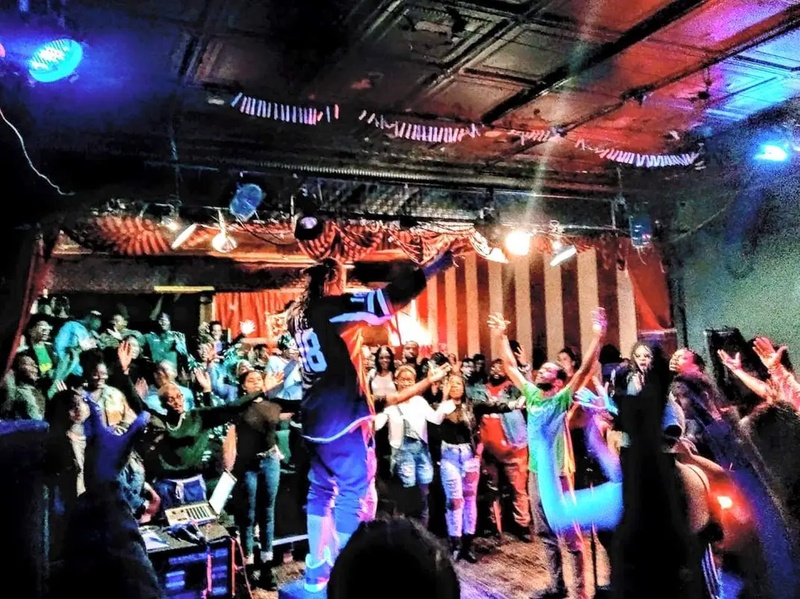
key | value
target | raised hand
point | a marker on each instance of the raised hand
(248, 327)
(599, 321)
(770, 357)
(520, 355)
(125, 355)
(597, 401)
(203, 379)
(497, 322)
(142, 388)
(437, 373)
(107, 450)
(272, 380)
(733, 363)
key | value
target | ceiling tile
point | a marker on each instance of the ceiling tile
(466, 97)
(244, 61)
(712, 25)
(531, 53)
(782, 51)
(640, 65)
(561, 107)
(617, 15)
(434, 35)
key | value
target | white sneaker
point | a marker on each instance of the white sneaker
(318, 574)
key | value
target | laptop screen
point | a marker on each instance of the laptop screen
(222, 492)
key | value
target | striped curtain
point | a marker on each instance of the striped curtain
(548, 306)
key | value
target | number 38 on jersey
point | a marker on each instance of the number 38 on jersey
(311, 356)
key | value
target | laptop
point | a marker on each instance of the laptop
(206, 511)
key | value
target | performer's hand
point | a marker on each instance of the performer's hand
(598, 401)
(440, 263)
(107, 451)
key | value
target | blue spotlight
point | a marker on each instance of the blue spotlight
(773, 153)
(55, 60)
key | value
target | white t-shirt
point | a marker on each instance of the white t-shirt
(417, 412)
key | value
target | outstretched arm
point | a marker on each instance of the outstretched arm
(600, 507)
(435, 374)
(498, 324)
(734, 364)
(599, 326)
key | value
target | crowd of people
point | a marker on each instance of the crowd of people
(688, 477)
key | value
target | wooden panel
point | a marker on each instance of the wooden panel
(617, 15)
(468, 97)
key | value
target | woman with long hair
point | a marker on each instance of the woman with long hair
(461, 464)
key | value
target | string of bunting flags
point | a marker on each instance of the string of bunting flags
(447, 134)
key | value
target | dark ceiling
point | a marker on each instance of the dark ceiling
(158, 79)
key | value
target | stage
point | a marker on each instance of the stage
(511, 570)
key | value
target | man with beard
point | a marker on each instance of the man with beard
(550, 392)
(505, 443)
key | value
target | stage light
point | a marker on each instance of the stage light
(55, 60)
(773, 152)
(725, 502)
(183, 236)
(222, 242)
(308, 224)
(497, 255)
(246, 200)
(562, 252)
(518, 243)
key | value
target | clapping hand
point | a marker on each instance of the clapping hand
(107, 451)
(598, 401)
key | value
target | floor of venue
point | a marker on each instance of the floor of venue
(509, 569)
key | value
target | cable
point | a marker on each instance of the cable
(28, 158)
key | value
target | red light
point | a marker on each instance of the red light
(2, 51)
(725, 502)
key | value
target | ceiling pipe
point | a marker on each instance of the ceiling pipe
(472, 179)
(757, 34)
(562, 75)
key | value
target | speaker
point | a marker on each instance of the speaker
(191, 571)
(23, 504)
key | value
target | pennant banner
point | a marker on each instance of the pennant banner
(418, 132)
(447, 134)
(287, 113)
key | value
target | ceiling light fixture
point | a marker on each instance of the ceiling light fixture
(308, 224)
(183, 236)
(55, 60)
(222, 242)
(561, 251)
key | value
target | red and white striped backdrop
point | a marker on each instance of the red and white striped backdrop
(548, 305)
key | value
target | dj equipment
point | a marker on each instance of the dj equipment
(197, 566)
(206, 511)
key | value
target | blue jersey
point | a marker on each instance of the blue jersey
(328, 337)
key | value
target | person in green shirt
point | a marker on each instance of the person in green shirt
(551, 393)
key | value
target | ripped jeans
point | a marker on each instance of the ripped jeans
(460, 471)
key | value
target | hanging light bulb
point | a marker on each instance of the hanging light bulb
(222, 242)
